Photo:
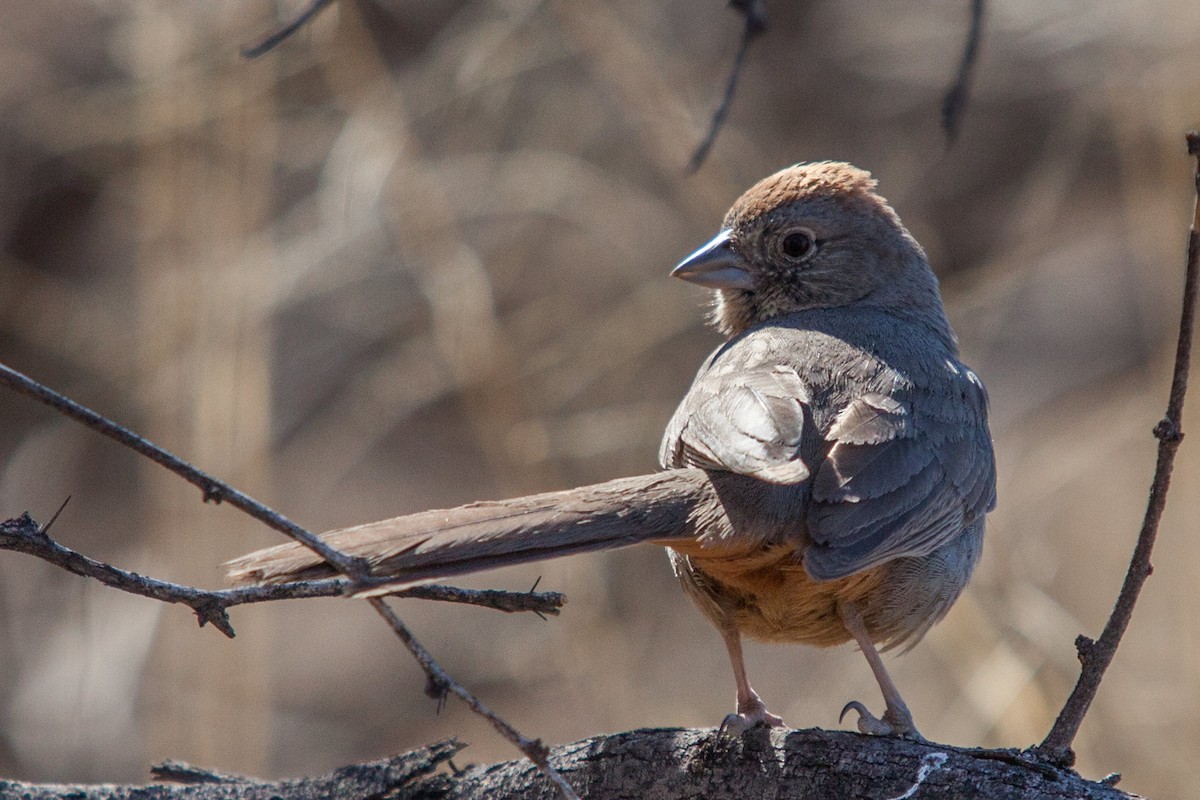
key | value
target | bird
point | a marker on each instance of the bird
(825, 479)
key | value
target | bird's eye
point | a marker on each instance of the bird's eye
(798, 244)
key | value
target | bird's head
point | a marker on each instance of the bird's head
(812, 236)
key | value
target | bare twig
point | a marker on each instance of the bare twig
(23, 535)
(214, 490)
(756, 22)
(1095, 656)
(210, 606)
(273, 39)
(441, 684)
(955, 101)
(510, 602)
(180, 772)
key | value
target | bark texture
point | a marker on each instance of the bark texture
(656, 764)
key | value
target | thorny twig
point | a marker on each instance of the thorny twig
(214, 490)
(955, 101)
(1095, 656)
(441, 684)
(23, 535)
(756, 22)
(273, 39)
(355, 569)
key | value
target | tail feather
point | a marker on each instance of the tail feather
(444, 543)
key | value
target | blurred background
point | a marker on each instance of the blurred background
(418, 256)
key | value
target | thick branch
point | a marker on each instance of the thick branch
(661, 764)
(358, 782)
(1095, 656)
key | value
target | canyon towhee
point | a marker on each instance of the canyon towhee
(826, 476)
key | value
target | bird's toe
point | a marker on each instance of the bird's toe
(895, 722)
(735, 725)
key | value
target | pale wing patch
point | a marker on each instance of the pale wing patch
(870, 419)
(894, 484)
(751, 423)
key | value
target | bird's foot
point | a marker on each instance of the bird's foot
(896, 721)
(749, 716)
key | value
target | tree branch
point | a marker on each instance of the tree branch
(356, 569)
(755, 13)
(24, 535)
(440, 684)
(1095, 656)
(214, 490)
(660, 763)
(955, 101)
(273, 39)
(368, 781)
(779, 763)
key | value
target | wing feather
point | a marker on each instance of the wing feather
(899, 481)
(750, 422)
(885, 462)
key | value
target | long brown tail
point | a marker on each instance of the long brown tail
(439, 544)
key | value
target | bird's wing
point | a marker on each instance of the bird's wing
(750, 422)
(904, 475)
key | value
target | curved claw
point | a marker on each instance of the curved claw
(894, 722)
(867, 723)
(857, 706)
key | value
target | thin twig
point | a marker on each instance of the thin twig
(202, 602)
(756, 22)
(24, 535)
(181, 772)
(510, 602)
(214, 490)
(273, 39)
(441, 684)
(1095, 656)
(955, 101)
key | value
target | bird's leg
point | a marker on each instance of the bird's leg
(897, 720)
(751, 710)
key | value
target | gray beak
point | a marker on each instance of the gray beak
(717, 265)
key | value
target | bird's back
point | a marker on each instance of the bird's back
(850, 454)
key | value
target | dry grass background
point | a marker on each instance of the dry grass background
(418, 256)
